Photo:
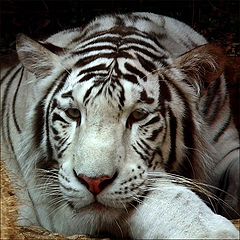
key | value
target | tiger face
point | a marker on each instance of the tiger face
(109, 119)
(105, 133)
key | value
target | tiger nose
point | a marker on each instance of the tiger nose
(95, 185)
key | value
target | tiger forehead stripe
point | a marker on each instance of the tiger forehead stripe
(118, 36)
(135, 71)
(88, 59)
(93, 48)
(108, 38)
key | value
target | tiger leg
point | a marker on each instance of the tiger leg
(174, 211)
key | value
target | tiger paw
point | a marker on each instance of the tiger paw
(177, 212)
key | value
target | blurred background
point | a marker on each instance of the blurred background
(217, 20)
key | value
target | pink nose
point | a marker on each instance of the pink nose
(95, 185)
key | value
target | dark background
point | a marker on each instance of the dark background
(217, 20)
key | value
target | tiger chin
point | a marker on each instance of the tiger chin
(123, 128)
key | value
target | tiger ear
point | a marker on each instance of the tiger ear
(202, 65)
(35, 57)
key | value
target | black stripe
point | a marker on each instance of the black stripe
(101, 89)
(9, 140)
(145, 144)
(14, 103)
(144, 98)
(173, 138)
(165, 130)
(131, 78)
(159, 152)
(4, 99)
(188, 134)
(87, 77)
(93, 49)
(62, 151)
(68, 95)
(133, 31)
(47, 113)
(117, 70)
(155, 57)
(122, 95)
(62, 141)
(54, 130)
(155, 38)
(109, 90)
(223, 128)
(145, 150)
(39, 122)
(136, 71)
(6, 75)
(218, 105)
(165, 95)
(140, 154)
(130, 40)
(146, 64)
(56, 137)
(155, 134)
(96, 84)
(187, 169)
(87, 95)
(151, 121)
(102, 39)
(39, 115)
(211, 94)
(86, 60)
(57, 117)
(96, 68)
(147, 147)
(94, 37)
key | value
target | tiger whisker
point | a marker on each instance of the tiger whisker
(119, 227)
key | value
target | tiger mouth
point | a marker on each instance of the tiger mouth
(100, 207)
(96, 208)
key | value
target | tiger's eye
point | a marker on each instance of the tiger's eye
(136, 116)
(73, 113)
(139, 115)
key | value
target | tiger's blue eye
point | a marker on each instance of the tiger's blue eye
(136, 116)
(73, 113)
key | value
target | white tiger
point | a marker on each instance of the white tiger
(117, 127)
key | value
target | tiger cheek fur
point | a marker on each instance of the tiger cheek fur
(123, 122)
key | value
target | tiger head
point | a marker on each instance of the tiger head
(110, 115)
